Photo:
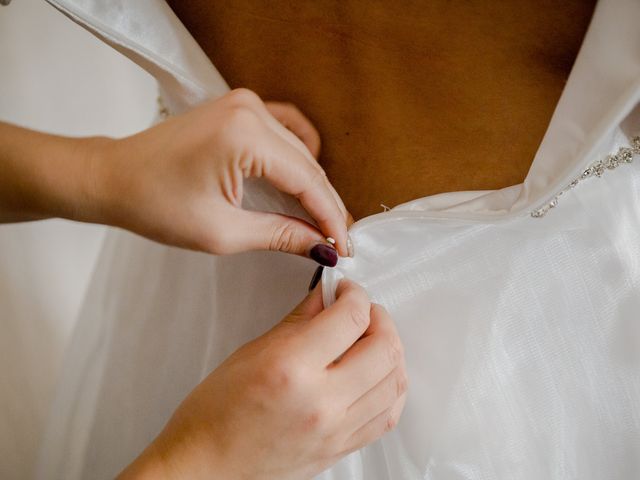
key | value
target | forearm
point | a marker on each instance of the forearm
(44, 176)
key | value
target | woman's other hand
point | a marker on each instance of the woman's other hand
(181, 182)
(282, 407)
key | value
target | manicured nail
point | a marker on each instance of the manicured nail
(317, 275)
(324, 254)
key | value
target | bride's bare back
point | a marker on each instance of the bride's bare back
(411, 98)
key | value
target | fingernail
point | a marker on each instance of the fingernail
(324, 254)
(317, 275)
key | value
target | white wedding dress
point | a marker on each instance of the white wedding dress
(519, 308)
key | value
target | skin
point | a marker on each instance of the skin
(412, 98)
(180, 181)
(370, 78)
(321, 383)
(296, 410)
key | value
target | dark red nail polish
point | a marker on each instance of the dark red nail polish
(317, 275)
(324, 254)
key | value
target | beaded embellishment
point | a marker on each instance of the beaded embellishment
(623, 156)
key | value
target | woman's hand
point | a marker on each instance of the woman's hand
(181, 182)
(282, 407)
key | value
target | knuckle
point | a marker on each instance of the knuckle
(402, 384)
(394, 350)
(243, 96)
(379, 311)
(241, 117)
(355, 292)
(238, 125)
(317, 178)
(283, 238)
(359, 317)
(355, 301)
(321, 175)
(391, 422)
(281, 375)
(318, 419)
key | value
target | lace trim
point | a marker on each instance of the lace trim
(610, 162)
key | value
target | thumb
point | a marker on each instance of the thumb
(273, 231)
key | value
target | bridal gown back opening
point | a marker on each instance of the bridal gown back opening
(518, 308)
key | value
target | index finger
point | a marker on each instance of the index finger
(371, 358)
(334, 330)
(289, 171)
(261, 109)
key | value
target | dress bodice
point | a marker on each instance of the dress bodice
(520, 330)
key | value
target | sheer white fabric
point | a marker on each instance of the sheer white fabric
(522, 338)
(56, 78)
(521, 334)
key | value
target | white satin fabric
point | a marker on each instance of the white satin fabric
(522, 335)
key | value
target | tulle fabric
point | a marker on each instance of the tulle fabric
(521, 334)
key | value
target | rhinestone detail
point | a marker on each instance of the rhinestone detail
(596, 169)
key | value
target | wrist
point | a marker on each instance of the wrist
(110, 185)
(174, 456)
(149, 465)
(85, 186)
(96, 190)
(54, 176)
